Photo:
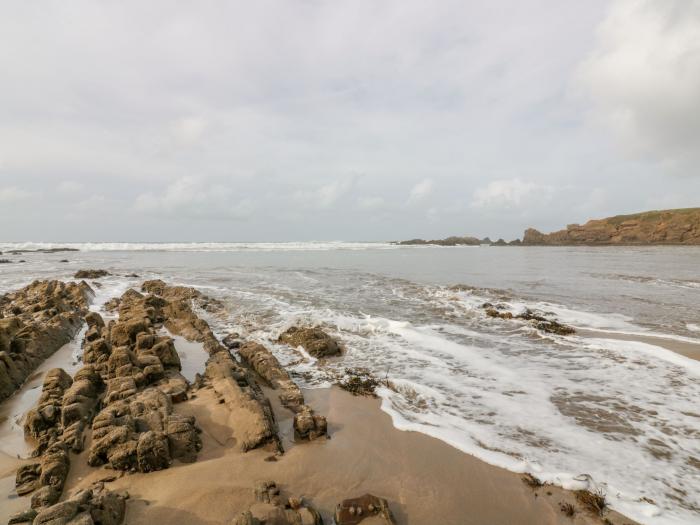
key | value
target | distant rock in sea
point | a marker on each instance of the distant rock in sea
(680, 226)
(449, 241)
(458, 241)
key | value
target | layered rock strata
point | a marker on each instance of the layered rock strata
(123, 396)
(35, 321)
(307, 425)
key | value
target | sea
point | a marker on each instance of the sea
(614, 407)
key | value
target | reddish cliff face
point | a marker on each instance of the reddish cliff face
(680, 226)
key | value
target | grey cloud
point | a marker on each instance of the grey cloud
(644, 76)
(220, 121)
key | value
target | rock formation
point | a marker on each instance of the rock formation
(123, 395)
(307, 425)
(539, 321)
(93, 506)
(680, 226)
(448, 241)
(271, 509)
(122, 403)
(254, 422)
(314, 340)
(355, 510)
(91, 274)
(35, 321)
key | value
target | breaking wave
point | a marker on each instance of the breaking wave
(200, 246)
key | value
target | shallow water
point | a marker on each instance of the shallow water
(582, 411)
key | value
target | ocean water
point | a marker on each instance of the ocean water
(609, 408)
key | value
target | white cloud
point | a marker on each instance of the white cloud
(326, 196)
(644, 77)
(13, 194)
(511, 193)
(189, 130)
(95, 203)
(420, 191)
(193, 197)
(70, 187)
(371, 203)
(271, 104)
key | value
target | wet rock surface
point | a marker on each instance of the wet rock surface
(272, 509)
(539, 321)
(355, 510)
(307, 425)
(314, 340)
(250, 409)
(123, 397)
(254, 422)
(93, 506)
(91, 274)
(35, 321)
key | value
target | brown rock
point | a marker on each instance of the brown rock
(308, 425)
(35, 321)
(94, 506)
(353, 511)
(255, 423)
(152, 451)
(91, 274)
(314, 340)
(269, 368)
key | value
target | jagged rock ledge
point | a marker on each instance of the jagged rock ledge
(122, 401)
(35, 321)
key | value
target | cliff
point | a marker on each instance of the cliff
(680, 226)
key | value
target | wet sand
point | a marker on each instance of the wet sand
(425, 480)
(685, 348)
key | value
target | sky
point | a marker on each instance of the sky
(342, 119)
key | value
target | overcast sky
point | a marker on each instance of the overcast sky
(353, 120)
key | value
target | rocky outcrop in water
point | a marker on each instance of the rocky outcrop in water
(448, 241)
(680, 226)
(307, 424)
(314, 340)
(539, 321)
(91, 274)
(35, 321)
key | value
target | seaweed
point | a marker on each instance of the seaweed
(593, 502)
(531, 481)
(568, 509)
(359, 382)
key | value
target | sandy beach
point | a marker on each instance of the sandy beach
(425, 480)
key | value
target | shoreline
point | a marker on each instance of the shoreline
(684, 348)
(425, 480)
(419, 475)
